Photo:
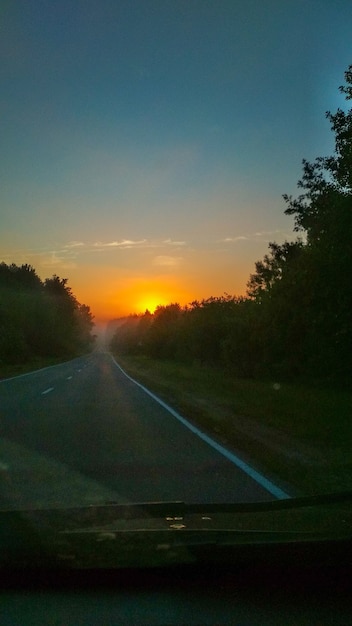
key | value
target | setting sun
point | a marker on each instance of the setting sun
(149, 296)
(140, 294)
(150, 302)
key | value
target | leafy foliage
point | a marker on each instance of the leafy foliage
(296, 320)
(40, 319)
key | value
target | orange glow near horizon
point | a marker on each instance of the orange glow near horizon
(111, 294)
(131, 296)
(150, 302)
(142, 294)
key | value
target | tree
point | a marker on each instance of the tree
(162, 339)
(207, 324)
(328, 179)
(84, 326)
(305, 288)
(127, 337)
(40, 319)
(274, 267)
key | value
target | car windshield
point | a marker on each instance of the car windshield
(176, 219)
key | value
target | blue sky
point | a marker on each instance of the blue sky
(146, 144)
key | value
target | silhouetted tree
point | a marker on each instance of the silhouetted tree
(306, 288)
(296, 319)
(162, 339)
(39, 319)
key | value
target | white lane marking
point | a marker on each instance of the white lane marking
(259, 478)
(42, 369)
(68, 377)
(47, 391)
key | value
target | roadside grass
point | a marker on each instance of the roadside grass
(299, 434)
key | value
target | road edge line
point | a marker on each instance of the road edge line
(41, 369)
(230, 456)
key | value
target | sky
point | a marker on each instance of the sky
(146, 144)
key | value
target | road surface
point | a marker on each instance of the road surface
(82, 432)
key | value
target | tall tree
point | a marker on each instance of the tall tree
(306, 287)
(40, 319)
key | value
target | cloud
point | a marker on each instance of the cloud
(264, 234)
(68, 255)
(62, 258)
(232, 239)
(169, 242)
(53, 259)
(74, 244)
(124, 243)
(167, 261)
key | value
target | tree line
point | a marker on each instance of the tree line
(295, 321)
(40, 319)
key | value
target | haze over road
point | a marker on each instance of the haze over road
(83, 432)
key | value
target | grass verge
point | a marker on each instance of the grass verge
(299, 435)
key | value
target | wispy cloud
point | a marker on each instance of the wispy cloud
(62, 257)
(124, 243)
(264, 235)
(167, 261)
(232, 239)
(170, 242)
(55, 259)
(74, 244)
(69, 255)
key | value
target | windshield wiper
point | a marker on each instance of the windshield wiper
(159, 509)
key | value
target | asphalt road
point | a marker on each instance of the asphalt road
(83, 432)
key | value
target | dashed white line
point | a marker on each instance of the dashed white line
(47, 391)
(42, 369)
